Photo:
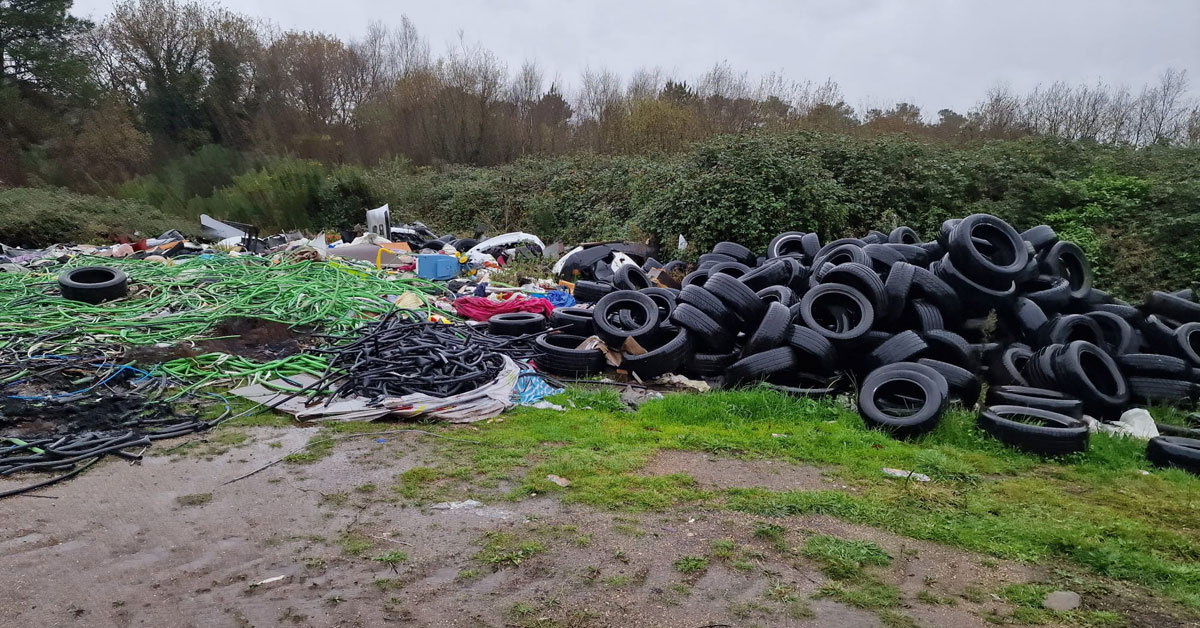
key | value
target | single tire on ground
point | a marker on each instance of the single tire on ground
(1034, 430)
(1175, 452)
(559, 354)
(516, 324)
(93, 284)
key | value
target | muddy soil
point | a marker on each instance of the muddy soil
(28, 418)
(167, 543)
(252, 338)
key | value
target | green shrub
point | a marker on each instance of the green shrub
(1133, 210)
(343, 199)
(35, 218)
(282, 194)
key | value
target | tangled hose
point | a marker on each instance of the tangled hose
(170, 304)
(402, 354)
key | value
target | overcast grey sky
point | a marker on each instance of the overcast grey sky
(936, 53)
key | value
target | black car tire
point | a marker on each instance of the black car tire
(559, 354)
(93, 284)
(516, 324)
(1031, 397)
(1057, 435)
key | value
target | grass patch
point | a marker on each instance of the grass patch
(618, 582)
(933, 599)
(895, 619)
(799, 609)
(230, 437)
(262, 417)
(464, 575)
(321, 446)
(780, 592)
(334, 499)
(629, 530)
(196, 499)
(391, 559)
(1094, 509)
(388, 584)
(501, 549)
(691, 564)
(355, 544)
(415, 481)
(366, 488)
(843, 559)
(723, 548)
(871, 594)
(747, 610)
(316, 449)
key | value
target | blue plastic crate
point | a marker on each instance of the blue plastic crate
(437, 266)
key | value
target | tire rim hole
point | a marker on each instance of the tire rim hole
(1098, 373)
(836, 312)
(996, 245)
(92, 276)
(900, 398)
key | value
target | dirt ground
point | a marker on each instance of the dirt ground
(164, 543)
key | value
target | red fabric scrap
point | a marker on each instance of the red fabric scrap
(482, 308)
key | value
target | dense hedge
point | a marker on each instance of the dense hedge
(1133, 210)
(38, 218)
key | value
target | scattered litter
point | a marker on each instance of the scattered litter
(474, 507)
(681, 381)
(563, 482)
(1134, 423)
(470, 503)
(900, 473)
(635, 397)
(268, 581)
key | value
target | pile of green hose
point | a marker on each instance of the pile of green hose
(169, 304)
(211, 369)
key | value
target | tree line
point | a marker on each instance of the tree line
(88, 105)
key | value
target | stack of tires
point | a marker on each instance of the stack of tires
(917, 324)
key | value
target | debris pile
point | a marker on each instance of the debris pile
(912, 324)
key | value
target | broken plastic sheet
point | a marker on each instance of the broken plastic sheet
(477, 253)
(1134, 423)
(214, 228)
(482, 403)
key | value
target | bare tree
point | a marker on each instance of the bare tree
(999, 115)
(645, 84)
(1164, 109)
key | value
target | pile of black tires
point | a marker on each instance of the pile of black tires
(912, 324)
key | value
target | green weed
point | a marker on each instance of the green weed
(870, 594)
(500, 549)
(691, 564)
(843, 559)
